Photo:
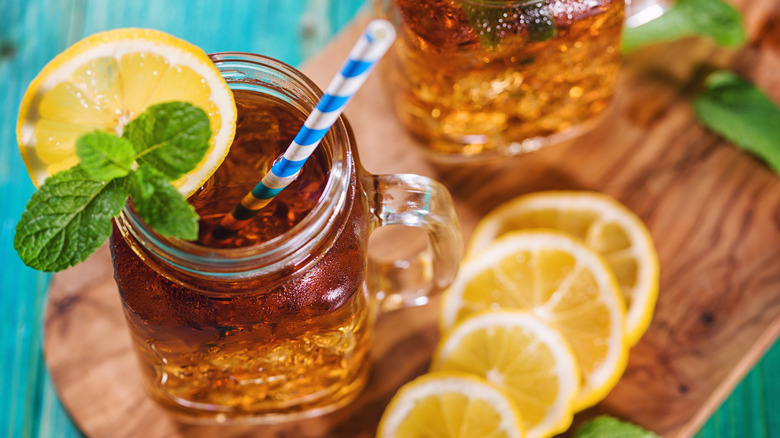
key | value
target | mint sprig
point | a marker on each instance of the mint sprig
(730, 106)
(741, 113)
(69, 217)
(715, 19)
(608, 427)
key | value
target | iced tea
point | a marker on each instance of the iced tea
(272, 347)
(477, 78)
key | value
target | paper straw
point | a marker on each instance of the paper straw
(373, 43)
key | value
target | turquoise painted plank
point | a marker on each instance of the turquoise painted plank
(272, 28)
(770, 369)
(26, 47)
(22, 289)
(753, 408)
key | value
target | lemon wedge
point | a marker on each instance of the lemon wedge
(561, 281)
(605, 225)
(106, 80)
(521, 354)
(450, 405)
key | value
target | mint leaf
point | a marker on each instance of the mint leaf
(490, 22)
(741, 113)
(539, 21)
(161, 206)
(715, 19)
(608, 427)
(105, 156)
(68, 218)
(171, 137)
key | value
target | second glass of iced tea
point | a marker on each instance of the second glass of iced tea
(276, 323)
(478, 79)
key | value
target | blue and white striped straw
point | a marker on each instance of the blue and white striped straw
(371, 46)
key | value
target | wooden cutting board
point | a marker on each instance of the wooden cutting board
(713, 211)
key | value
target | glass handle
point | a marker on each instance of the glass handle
(420, 202)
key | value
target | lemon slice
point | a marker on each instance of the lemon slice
(524, 356)
(605, 225)
(450, 405)
(563, 282)
(106, 80)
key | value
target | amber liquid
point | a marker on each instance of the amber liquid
(261, 354)
(470, 77)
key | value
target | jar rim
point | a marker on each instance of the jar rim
(291, 247)
(498, 4)
(501, 3)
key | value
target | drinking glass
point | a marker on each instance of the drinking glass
(280, 328)
(485, 79)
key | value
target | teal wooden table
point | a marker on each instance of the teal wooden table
(33, 31)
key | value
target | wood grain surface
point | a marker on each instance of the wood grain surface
(713, 211)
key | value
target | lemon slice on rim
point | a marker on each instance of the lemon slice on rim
(605, 225)
(561, 281)
(106, 80)
(450, 405)
(524, 356)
